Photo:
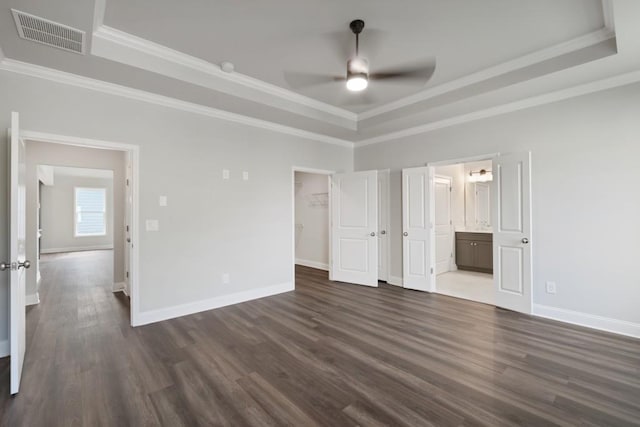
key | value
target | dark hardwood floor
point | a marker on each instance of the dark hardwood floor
(327, 354)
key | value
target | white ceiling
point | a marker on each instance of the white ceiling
(493, 56)
(266, 38)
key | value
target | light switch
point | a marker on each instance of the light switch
(163, 201)
(245, 176)
(225, 173)
(153, 225)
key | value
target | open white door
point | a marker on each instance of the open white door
(443, 224)
(418, 240)
(127, 227)
(383, 224)
(17, 251)
(511, 220)
(354, 225)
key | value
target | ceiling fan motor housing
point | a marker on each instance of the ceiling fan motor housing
(358, 67)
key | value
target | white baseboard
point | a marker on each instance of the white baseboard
(32, 299)
(153, 316)
(120, 287)
(313, 264)
(4, 348)
(395, 281)
(76, 249)
(607, 324)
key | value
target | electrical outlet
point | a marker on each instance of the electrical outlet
(225, 173)
(162, 201)
(551, 287)
(225, 278)
(245, 176)
(152, 225)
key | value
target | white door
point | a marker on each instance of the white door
(418, 254)
(17, 251)
(483, 204)
(444, 238)
(383, 225)
(354, 225)
(511, 220)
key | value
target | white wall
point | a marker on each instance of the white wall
(57, 215)
(39, 153)
(312, 219)
(211, 226)
(585, 154)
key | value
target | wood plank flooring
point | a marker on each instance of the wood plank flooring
(327, 354)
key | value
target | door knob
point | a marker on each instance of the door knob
(525, 240)
(5, 266)
(383, 232)
(372, 234)
(25, 264)
(405, 234)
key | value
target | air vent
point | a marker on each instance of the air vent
(47, 32)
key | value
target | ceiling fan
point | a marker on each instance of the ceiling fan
(358, 72)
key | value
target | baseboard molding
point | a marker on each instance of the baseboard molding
(120, 287)
(395, 280)
(607, 324)
(76, 249)
(312, 264)
(32, 299)
(4, 348)
(153, 316)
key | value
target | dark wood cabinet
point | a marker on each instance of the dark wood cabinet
(474, 251)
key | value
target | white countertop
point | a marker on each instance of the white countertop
(468, 230)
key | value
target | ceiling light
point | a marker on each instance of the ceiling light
(357, 82)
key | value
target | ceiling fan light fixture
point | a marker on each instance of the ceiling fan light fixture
(357, 82)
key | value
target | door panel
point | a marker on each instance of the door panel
(444, 241)
(383, 225)
(354, 226)
(418, 241)
(17, 252)
(511, 197)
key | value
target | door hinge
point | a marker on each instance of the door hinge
(127, 274)
(431, 270)
(127, 228)
(450, 190)
(127, 182)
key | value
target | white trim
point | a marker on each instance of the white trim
(609, 18)
(528, 60)
(165, 101)
(100, 6)
(593, 321)
(76, 249)
(32, 299)
(153, 316)
(547, 98)
(312, 264)
(120, 287)
(134, 151)
(4, 348)
(395, 280)
(109, 40)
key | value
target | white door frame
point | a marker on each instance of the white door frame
(134, 151)
(328, 173)
(385, 202)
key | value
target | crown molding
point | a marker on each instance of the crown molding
(551, 97)
(140, 95)
(573, 45)
(107, 40)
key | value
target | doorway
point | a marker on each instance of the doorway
(467, 227)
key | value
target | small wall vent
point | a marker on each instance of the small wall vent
(34, 28)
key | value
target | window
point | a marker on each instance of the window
(90, 212)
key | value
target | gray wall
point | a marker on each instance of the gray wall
(39, 153)
(585, 154)
(57, 214)
(312, 218)
(210, 226)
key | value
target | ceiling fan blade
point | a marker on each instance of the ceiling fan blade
(300, 80)
(421, 72)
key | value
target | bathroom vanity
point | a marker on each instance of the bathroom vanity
(474, 251)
